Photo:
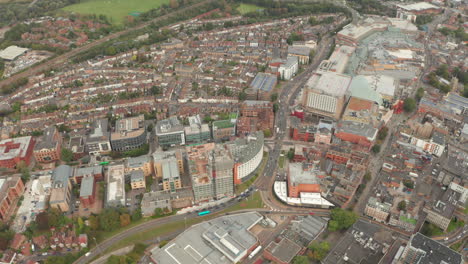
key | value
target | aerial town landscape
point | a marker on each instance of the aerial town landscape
(233, 131)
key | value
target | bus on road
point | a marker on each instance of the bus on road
(204, 213)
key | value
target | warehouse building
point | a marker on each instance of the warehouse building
(223, 240)
(12, 52)
(326, 94)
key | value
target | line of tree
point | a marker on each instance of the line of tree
(132, 257)
(2, 67)
(373, 7)
(9, 88)
(459, 33)
(424, 19)
(277, 9)
(443, 72)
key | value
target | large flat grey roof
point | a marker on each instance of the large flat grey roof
(137, 162)
(87, 186)
(285, 250)
(61, 176)
(299, 50)
(169, 126)
(47, 141)
(330, 83)
(223, 240)
(88, 171)
(170, 169)
(263, 81)
(300, 174)
(435, 252)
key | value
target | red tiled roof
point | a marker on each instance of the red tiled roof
(18, 240)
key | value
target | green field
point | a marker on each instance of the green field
(246, 8)
(115, 10)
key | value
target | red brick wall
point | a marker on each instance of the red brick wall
(307, 137)
(356, 139)
(294, 191)
(236, 174)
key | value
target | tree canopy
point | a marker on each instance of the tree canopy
(341, 219)
(319, 251)
(409, 105)
(109, 219)
(402, 205)
(67, 155)
(300, 260)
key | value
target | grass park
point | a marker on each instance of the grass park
(247, 8)
(115, 10)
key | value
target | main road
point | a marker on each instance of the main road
(106, 244)
(287, 100)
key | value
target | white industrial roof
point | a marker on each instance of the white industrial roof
(418, 6)
(116, 184)
(402, 53)
(331, 83)
(382, 84)
(402, 24)
(358, 31)
(222, 240)
(12, 52)
(340, 58)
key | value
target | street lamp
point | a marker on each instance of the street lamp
(97, 245)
